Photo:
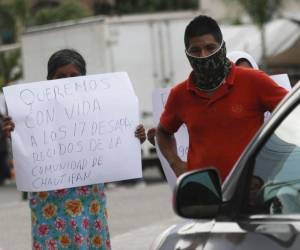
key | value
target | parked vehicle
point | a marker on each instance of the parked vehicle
(258, 206)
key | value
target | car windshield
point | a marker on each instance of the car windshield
(275, 183)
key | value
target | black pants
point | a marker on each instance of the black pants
(4, 168)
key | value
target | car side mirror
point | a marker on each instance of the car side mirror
(198, 194)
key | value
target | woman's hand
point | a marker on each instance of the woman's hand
(140, 133)
(151, 135)
(8, 126)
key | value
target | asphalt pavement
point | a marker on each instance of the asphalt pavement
(138, 212)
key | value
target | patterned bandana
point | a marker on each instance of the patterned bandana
(209, 72)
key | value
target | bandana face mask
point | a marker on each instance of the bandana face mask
(209, 72)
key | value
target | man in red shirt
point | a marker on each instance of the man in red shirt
(221, 104)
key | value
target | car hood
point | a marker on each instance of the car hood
(189, 234)
(258, 235)
(212, 235)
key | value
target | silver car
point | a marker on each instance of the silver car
(258, 206)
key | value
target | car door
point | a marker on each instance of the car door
(266, 199)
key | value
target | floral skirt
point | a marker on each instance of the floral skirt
(74, 218)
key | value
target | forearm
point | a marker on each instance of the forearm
(167, 146)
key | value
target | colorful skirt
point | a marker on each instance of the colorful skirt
(74, 218)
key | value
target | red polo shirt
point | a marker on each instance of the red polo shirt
(220, 125)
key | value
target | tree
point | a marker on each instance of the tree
(261, 12)
(7, 25)
(138, 6)
(10, 67)
(102, 7)
(20, 11)
(15, 16)
(65, 11)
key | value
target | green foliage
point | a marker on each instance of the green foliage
(21, 10)
(14, 17)
(65, 11)
(260, 11)
(103, 8)
(237, 21)
(7, 24)
(10, 66)
(140, 6)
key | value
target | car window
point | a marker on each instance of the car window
(274, 186)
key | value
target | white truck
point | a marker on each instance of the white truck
(149, 47)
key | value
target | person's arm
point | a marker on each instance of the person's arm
(269, 92)
(167, 145)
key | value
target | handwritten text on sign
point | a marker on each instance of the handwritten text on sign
(75, 131)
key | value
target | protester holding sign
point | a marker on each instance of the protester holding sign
(222, 105)
(72, 218)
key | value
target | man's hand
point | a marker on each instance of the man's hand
(167, 145)
(178, 166)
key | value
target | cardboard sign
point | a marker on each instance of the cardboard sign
(159, 99)
(74, 131)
